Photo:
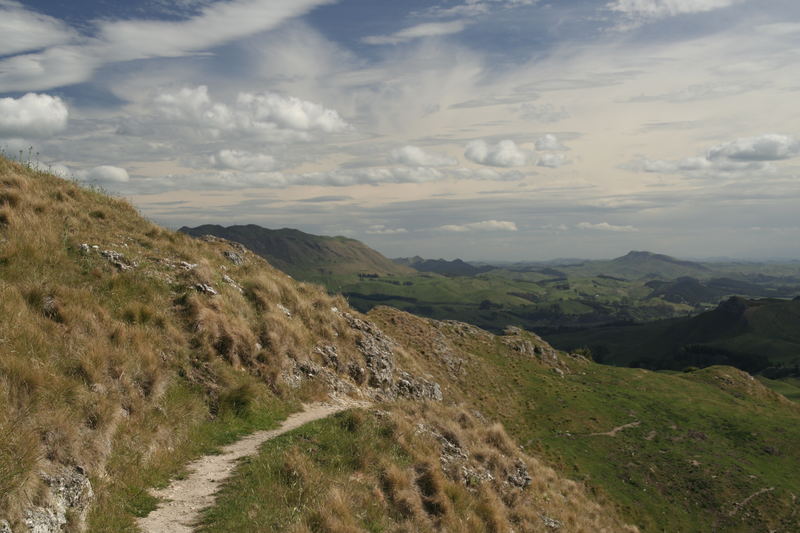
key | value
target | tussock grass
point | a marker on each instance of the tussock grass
(316, 479)
(122, 366)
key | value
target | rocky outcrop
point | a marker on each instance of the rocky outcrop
(532, 345)
(381, 372)
(378, 350)
(70, 494)
(407, 386)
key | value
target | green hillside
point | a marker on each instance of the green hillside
(755, 335)
(305, 256)
(712, 450)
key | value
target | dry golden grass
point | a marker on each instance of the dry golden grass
(413, 480)
(90, 351)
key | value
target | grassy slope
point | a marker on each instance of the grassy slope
(380, 471)
(705, 440)
(129, 373)
(709, 450)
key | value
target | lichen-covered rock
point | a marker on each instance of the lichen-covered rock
(551, 523)
(530, 344)
(233, 257)
(206, 289)
(117, 259)
(519, 476)
(378, 350)
(330, 355)
(407, 386)
(70, 493)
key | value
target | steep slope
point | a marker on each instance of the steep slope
(303, 255)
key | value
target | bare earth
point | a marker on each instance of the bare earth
(184, 499)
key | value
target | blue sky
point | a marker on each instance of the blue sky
(484, 129)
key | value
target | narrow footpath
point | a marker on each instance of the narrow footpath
(184, 499)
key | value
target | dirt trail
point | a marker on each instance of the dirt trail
(184, 499)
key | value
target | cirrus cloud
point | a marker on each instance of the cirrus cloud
(428, 29)
(25, 30)
(653, 9)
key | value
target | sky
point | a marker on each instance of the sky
(481, 129)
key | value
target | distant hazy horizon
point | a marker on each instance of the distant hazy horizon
(514, 129)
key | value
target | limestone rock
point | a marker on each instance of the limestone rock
(378, 350)
(206, 289)
(407, 386)
(70, 492)
(519, 476)
(117, 259)
(233, 257)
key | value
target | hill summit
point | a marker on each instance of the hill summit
(303, 255)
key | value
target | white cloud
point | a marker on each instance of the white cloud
(551, 160)
(486, 225)
(104, 174)
(414, 156)
(241, 160)
(25, 30)
(738, 158)
(380, 229)
(503, 154)
(652, 9)
(766, 147)
(32, 116)
(549, 142)
(289, 112)
(428, 29)
(267, 116)
(605, 226)
(124, 40)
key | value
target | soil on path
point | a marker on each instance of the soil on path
(184, 499)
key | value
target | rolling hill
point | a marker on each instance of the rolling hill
(127, 350)
(640, 265)
(760, 335)
(303, 255)
(456, 267)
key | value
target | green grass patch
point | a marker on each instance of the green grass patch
(287, 481)
(125, 496)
